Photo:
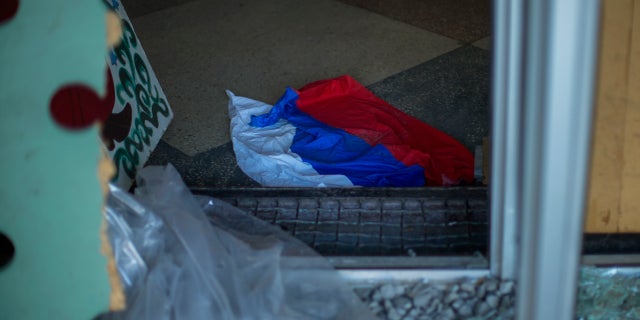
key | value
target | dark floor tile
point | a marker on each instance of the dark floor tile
(164, 154)
(214, 168)
(137, 8)
(450, 93)
(463, 20)
(239, 179)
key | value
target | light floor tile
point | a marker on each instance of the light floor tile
(258, 47)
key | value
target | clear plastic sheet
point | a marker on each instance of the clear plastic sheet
(189, 257)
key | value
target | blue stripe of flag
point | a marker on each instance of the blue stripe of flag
(334, 151)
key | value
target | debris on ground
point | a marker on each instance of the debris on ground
(483, 298)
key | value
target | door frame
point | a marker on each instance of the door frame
(544, 66)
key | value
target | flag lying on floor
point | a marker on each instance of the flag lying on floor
(337, 133)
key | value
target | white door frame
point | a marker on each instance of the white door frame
(544, 62)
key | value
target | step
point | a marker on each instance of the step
(372, 221)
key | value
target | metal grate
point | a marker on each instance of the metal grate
(373, 222)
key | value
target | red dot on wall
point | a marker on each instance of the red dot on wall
(74, 106)
(77, 106)
(8, 9)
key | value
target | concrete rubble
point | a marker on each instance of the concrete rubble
(483, 298)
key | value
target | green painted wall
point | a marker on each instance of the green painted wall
(50, 198)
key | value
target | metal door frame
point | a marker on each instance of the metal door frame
(544, 66)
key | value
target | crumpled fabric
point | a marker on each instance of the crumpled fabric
(337, 133)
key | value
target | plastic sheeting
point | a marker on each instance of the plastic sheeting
(186, 257)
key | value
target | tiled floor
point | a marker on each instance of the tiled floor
(463, 20)
(428, 58)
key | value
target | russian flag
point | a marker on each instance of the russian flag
(337, 133)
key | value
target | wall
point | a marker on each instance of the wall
(614, 195)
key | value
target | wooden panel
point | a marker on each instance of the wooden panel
(615, 176)
(630, 197)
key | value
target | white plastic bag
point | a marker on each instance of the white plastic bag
(186, 257)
